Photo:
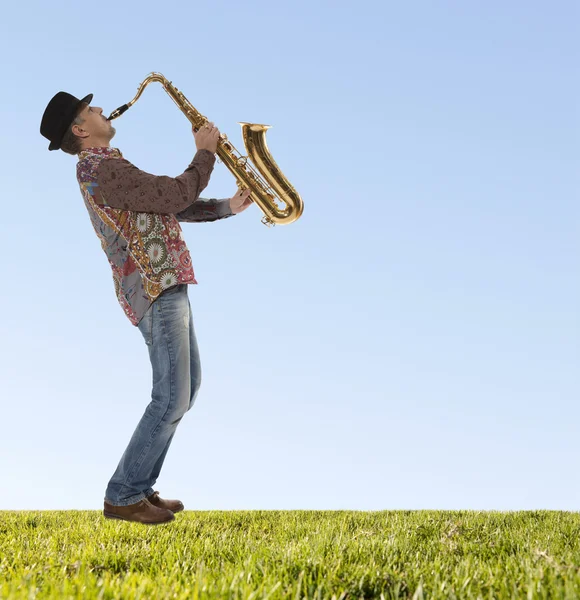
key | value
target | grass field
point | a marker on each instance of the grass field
(291, 554)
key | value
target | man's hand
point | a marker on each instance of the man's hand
(207, 138)
(240, 201)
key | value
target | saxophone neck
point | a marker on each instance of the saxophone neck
(149, 79)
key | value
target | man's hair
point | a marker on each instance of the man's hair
(71, 143)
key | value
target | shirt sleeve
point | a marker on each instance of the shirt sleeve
(204, 210)
(120, 184)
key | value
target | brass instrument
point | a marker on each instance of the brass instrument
(267, 190)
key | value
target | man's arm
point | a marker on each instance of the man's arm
(120, 184)
(206, 209)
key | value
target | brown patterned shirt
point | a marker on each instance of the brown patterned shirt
(136, 216)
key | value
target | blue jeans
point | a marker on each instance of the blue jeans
(167, 328)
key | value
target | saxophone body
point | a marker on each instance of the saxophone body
(266, 181)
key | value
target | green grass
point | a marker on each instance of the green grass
(291, 554)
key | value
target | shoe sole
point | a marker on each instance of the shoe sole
(120, 518)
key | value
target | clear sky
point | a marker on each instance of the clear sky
(411, 342)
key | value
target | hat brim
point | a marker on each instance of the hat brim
(87, 99)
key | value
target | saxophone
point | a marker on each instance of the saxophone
(266, 190)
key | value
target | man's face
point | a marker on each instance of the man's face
(95, 124)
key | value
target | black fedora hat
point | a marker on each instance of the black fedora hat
(58, 116)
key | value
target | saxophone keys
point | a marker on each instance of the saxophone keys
(242, 161)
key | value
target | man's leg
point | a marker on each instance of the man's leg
(195, 375)
(166, 329)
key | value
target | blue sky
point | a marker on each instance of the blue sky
(411, 342)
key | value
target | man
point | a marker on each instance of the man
(136, 216)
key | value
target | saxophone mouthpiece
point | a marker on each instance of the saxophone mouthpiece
(118, 112)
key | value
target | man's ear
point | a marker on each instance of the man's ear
(79, 131)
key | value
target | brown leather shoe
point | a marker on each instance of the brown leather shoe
(173, 505)
(142, 512)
